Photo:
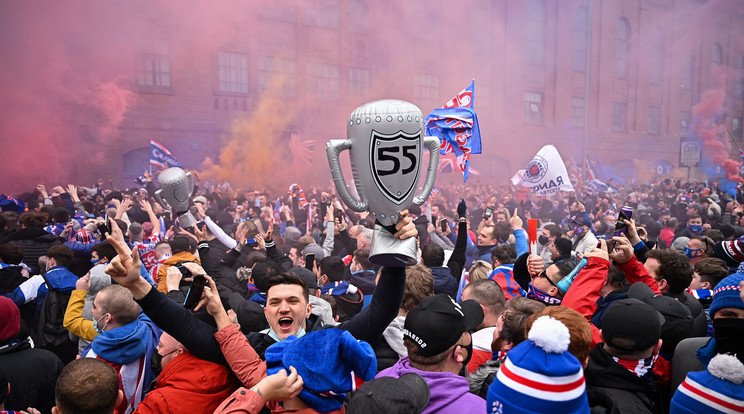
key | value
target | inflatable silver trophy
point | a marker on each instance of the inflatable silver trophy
(176, 186)
(385, 143)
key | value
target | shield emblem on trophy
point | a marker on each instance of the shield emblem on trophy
(395, 163)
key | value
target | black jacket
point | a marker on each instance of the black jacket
(35, 242)
(612, 388)
(33, 374)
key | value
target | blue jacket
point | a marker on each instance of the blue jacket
(125, 345)
(36, 289)
(444, 282)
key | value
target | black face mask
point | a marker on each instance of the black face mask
(542, 240)
(469, 348)
(729, 334)
(155, 362)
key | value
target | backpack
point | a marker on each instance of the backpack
(50, 331)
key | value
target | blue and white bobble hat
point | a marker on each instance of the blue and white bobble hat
(539, 375)
(717, 390)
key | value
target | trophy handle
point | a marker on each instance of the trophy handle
(159, 199)
(432, 143)
(333, 149)
(190, 181)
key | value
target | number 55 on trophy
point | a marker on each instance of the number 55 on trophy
(385, 143)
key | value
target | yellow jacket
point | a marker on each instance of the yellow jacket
(74, 321)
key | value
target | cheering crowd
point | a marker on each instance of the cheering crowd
(627, 300)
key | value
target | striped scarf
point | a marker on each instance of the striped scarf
(643, 368)
(301, 197)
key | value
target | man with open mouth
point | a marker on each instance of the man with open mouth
(287, 311)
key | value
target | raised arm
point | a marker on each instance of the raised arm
(180, 323)
(73, 320)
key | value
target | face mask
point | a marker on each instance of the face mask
(692, 253)
(537, 294)
(728, 333)
(579, 230)
(469, 348)
(156, 361)
(695, 228)
(94, 262)
(95, 324)
(542, 240)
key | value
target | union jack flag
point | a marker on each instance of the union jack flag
(301, 149)
(448, 163)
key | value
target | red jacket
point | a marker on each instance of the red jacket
(584, 292)
(189, 384)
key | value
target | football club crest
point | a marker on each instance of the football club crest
(536, 170)
(395, 164)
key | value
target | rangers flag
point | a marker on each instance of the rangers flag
(456, 126)
(161, 158)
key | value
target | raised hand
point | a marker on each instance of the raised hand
(516, 221)
(405, 227)
(42, 190)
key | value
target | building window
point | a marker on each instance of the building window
(581, 32)
(656, 72)
(535, 32)
(426, 88)
(153, 65)
(278, 75)
(684, 122)
(739, 83)
(736, 128)
(533, 107)
(359, 19)
(233, 72)
(688, 71)
(577, 111)
(359, 81)
(323, 13)
(654, 120)
(622, 37)
(716, 57)
(323, 80)
(619, 116)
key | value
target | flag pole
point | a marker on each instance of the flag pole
(732, 139)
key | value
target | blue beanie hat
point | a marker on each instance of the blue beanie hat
(325, 360)
(717, 390)
(727, 294)
(540, 375)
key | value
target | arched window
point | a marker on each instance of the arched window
(581, 31)
(656, 71)
(136, 161)
(622, 47)
(535, 32)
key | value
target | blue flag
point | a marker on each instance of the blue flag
(456, 126)
(161, 158)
